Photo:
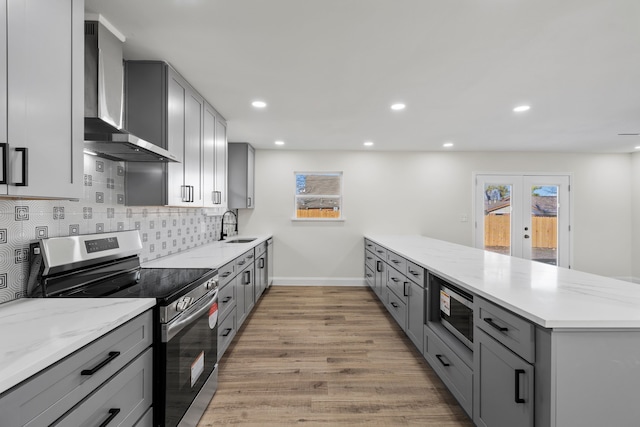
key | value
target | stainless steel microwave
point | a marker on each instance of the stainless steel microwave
(456, 311)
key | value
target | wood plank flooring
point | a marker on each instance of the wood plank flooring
(327, 356)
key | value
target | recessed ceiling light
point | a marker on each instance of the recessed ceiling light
(279, 142)
(447, 144)
(521, 108)
(398, 106)
(367, 143)
(259, 104)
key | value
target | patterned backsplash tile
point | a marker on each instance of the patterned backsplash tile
(163, 230)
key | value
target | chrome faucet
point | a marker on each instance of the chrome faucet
(222, 233)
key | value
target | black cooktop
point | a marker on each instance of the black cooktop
(164, 284)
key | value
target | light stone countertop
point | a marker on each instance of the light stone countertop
(38, 332)
(212, 255)
(549, 296)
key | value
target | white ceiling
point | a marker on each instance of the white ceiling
(330, 69)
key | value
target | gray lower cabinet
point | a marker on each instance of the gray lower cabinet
(380, 279)
(245, 284)
(105, 368)
(503, 389)
(226, 331)
(406, 303)
(261, 275)
(415, 314)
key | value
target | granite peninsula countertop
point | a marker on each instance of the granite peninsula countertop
(549, 296)
(212, 255)
(38, 332)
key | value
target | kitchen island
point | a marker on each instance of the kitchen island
(551, 346)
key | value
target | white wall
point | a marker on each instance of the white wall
(635, 199)
(426, 193)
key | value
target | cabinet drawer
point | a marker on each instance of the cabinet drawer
(369, 245)
(244, 260)
(226, 273)
(122, 400)
(397, 308)
(49, 394)
(457, 376)
(226, 332)
(398, 283)
(226, 299)
(396, 262)
(380, 251)
(260, 249)
(415, 273)
(370, 260)
(512, 331)
(369, 277)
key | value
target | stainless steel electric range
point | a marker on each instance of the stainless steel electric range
(185, 335)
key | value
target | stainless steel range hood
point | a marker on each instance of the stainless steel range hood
(103, 102)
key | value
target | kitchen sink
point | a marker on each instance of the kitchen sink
(245, 240)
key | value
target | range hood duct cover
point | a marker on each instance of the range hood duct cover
(104, 100)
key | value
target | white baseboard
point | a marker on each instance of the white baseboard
(318, 281)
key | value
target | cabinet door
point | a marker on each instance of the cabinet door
(251, 162)
(209, 157)
(44, 98)
(193, 107)
(380, 281)
(221, 162)
(503, 388)
(248, 280)
(415, 313)
(176, 93)
(241, 310)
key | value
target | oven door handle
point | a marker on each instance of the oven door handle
(172, 328)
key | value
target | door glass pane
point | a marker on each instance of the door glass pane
(544, 223)
(497, 218)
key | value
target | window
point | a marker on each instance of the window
(318, 195)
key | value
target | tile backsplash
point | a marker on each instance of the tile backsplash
(163, 230)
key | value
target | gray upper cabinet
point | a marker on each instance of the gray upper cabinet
(161, 107)
(41, 98)
(214, 157)
(241, 175)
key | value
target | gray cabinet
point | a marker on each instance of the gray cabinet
(503, 389)
(102, 368)
(241, 175)
(214, 159)
(415, 313)
(407, 301)
(261, 270)
(246, 285)
(161, 107)
(41, 98)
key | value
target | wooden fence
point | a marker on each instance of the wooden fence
(544, 231)
(317, 213)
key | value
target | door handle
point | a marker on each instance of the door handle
(112, 355)
(495, 325)
(526, 236)
(25, 173)
(247, 278)
(5, 162)
(406, 291)
(518, 372)
(113, 412)
(261, 263)
(379, 266)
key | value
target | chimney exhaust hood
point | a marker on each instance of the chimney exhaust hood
(104, 135)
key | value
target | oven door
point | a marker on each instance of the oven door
(189, 353)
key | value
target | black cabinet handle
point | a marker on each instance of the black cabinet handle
(250, 256)
(414, 273)
(246, 280)
(113, 412)
(25, 163)
(439, 357)
(226, 274)
(395, 261)
(494, 325)
(380, 252)
(369, 275)
(227, 299)
(405, 291)
(227, 332)
(379, 266)
(261, 263)
(394, 305)
(395, 279)
(243, 262)
(5, 162)
(112, 355)
(217, 197)
(369, 258)
(518, 399)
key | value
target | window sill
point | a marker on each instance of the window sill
(318, 219)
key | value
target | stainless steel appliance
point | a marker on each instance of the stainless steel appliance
(103, 101)
(185, 334)
(456, 309)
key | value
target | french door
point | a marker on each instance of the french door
(526, 216)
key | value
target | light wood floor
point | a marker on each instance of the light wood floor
(327, 356)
